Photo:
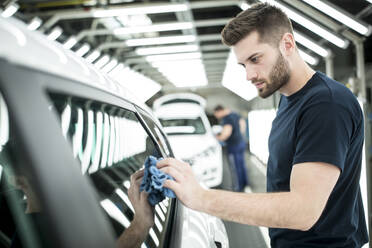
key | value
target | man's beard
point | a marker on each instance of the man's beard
(278, 77)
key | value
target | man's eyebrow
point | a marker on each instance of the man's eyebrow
(249, 58)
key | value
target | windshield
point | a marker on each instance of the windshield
(183, 126)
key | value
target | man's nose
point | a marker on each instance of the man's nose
(250, 73)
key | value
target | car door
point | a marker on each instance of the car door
(80, 145)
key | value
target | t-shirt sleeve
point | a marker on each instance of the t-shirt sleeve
(228, 120)
(323, 134)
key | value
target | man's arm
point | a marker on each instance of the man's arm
(225, 133)
(300, 208)
(143, 220)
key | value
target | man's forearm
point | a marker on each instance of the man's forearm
(133, 236)
(280, 210)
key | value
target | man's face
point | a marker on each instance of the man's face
(265, 66)
(218, 114)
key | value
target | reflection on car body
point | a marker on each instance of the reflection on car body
(78, 136)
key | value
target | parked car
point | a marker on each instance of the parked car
(190, 134)
(70, 138)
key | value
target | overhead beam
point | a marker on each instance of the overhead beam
(117, 10)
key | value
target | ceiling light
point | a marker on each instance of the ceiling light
(110, 66)
(153, 28)
(322, 32)
(339, 16)
(83, 50)
(175, 73)
(244, 5)
(143, 88)
(70, 42)
(310, 44)
(10, 10)
(166, 49)
(102, 61)
(140, 10)
(35, 23)
(161, 40)
(116, 70)
(176, 56)
(56, 32)
(234, 79)
(369, 1)
(308, 58)
(93, 56)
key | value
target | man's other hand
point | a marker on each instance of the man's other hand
(144, 213)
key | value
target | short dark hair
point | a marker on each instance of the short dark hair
(270, 22)
(218, 108)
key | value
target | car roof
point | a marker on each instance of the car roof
(179, 111)
(179, 98)
(32, 49)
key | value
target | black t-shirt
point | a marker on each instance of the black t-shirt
(322, 122)
(236, 136)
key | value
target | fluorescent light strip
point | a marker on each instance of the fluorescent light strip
(35, 23)
(65, 119)
(106, 136)
(99, 141)
(339, 16)
(153, 28)
(308, 58)
(370, 1)
(117, 69)
(140, 10)
(10, 10)
(154, 237)
(310, 25)
(70, 42)
(56, 32)
(161, 40)
(83, 50)
(85, 162)
(166, 49)
(110, 65)
(310, 44)
(93, 56)
(176, 56)
(102, 61)
(115, 212)
(125, 198)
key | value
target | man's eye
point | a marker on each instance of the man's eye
(254, 60)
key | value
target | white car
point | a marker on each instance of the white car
(70, 138)
(190, 134)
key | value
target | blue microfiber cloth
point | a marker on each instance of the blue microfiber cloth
(152, 182)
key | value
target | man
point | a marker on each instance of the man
(315, 145)
(235, 143)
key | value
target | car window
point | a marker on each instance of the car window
(110, 144)
(158, 133)
(185, 126)
(22, 221)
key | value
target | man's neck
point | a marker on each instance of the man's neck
(300, 75)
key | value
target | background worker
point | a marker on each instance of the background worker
(232, 135)
(313, 195)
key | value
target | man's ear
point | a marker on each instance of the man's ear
(287, 44)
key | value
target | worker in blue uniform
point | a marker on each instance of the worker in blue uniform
(232, 127)
(313, 194)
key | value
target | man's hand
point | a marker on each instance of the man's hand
(185, 185)
(144, 213)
